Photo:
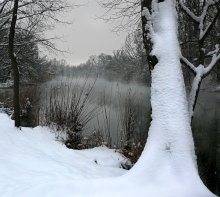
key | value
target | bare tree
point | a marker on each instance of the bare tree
(130, 13)
(205, 26)
(14, 65)
(127, 13)
(29, 19)
(170, 131)
(3, 13)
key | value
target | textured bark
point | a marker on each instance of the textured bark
(14, 65)
(218, 73)
(146, 41)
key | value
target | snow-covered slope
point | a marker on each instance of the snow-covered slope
(31, 157)
(33, 164)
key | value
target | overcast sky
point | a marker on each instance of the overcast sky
(87, 35)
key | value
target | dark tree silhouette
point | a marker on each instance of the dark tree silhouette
(14, 65)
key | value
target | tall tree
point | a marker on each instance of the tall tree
(170, 148)
(170, 142)
(14, 65)
(25, 22)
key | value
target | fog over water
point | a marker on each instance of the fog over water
(111, 101)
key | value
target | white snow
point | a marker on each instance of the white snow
(170, 140)
(195, 86)
(33, 164)
(32, 158)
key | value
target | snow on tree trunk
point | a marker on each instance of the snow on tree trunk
(170, 139)
(169, 150)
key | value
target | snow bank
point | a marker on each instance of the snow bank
(31, 157)
(33, 164)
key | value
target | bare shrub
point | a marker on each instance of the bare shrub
(6, 102)
(69, 109)
(132, 140)
(119, 116)
(130, 137)
(135, 150)
(95, 139)
(29, 105)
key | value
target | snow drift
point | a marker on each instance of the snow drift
(33, 163)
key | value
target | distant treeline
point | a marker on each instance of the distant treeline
(126, 64)
(130, 63)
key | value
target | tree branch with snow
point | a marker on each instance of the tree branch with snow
(205, 26)
(203, 31)
(149, 25)
(200, 72)
(188, 63)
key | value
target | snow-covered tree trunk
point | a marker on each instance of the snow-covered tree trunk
(170, 135)
(169, 153)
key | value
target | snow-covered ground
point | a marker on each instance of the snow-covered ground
(34, 164)
(32, 160)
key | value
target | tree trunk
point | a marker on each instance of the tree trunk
(201, 61)
(170, 131)
(218, 73)
(169, 151)
(14, 65)
(146, 41)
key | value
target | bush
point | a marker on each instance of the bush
(68, 110)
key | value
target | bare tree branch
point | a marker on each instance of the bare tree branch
(189, 64)
(189, 12)
(201, 19)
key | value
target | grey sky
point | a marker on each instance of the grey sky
(87, 35)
